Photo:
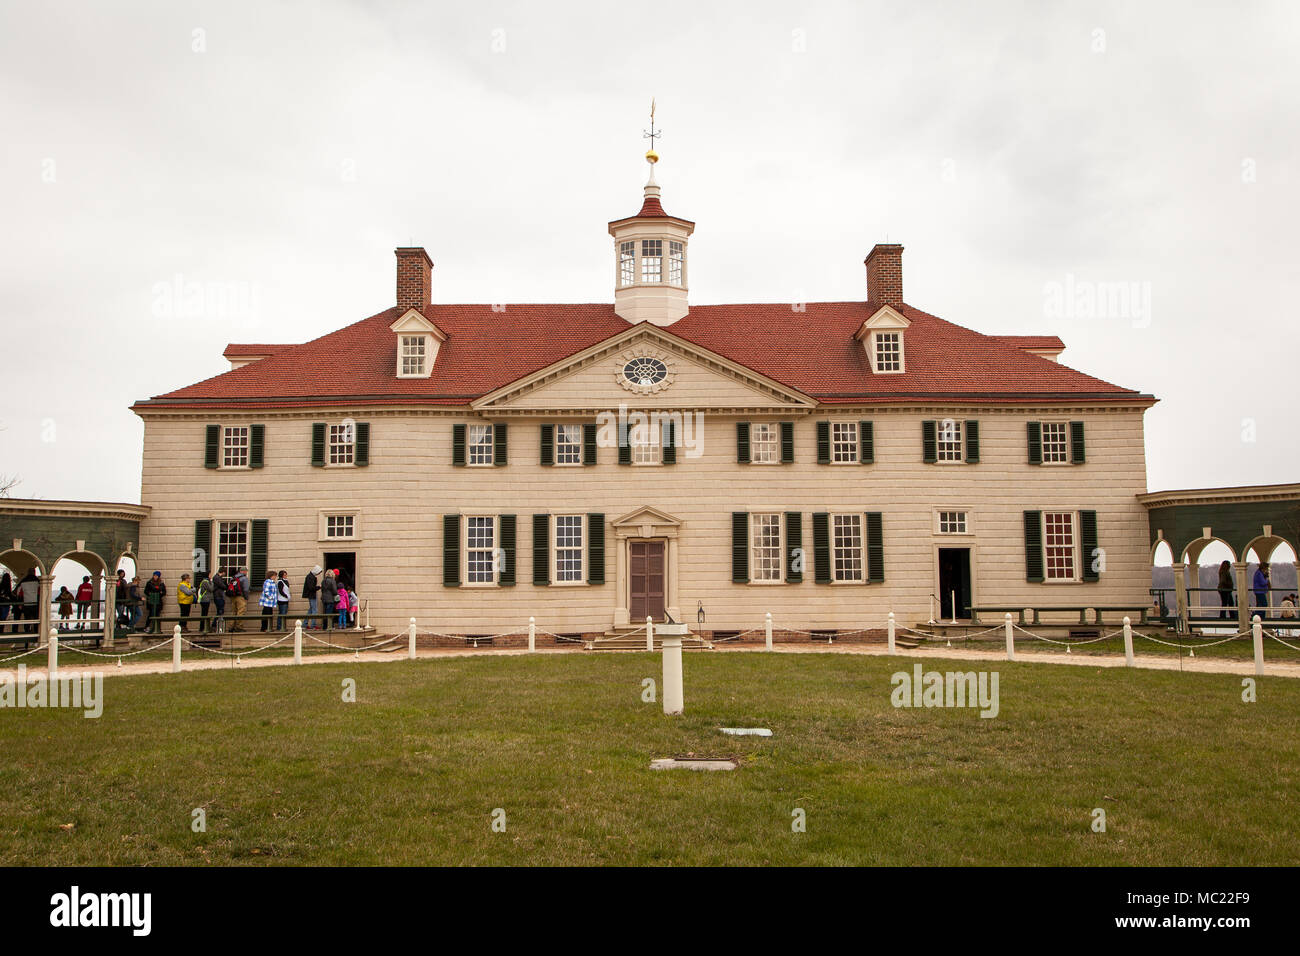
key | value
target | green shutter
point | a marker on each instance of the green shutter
(259, 541)
(1034, 546)
(451, 543)
(361, 457)
(624, 444)
(589, 444)
(823, 443)
(596, 548)
(500, 451)
(875, 547)
(1035, 443)
(794, 547)
(972, 441)
(202, 561)
(548, 444)
(668, 431)
(742, 442)
(1077, 456)
(740, 547)
(458, 444)
(541, 549)
(212, 446)
(866, 443)
(318, 444)
(929, 442)
(821, 547)
(256, 446)
(1088, 544)
(787, 442)
(507, 576)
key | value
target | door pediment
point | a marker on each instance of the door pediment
(647, 522)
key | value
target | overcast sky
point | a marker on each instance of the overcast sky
(1027, 155)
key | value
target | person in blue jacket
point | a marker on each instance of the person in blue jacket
(1260, 585)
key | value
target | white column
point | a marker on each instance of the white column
(176, 649)
(892, 648)
(1128, 642)
(673, 702)
(649, 633)
(410, 640)
(297, 641)
(1257, 635)
(532, 635)
(52, 660)
(767, 630)
(1011, 637)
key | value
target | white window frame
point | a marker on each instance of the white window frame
(852, 429)
(230, 563)
(960, 443)
(1064, 443)
(322, 524)
(879, 339)
(574, 448)
(655, 442)
(229, 431)
(407, 343)
(652, 264)
(337, 446)
(1074, 556)
(627, 264)
(676, 262)
(861, 548)
(939, 515)
(472, 446)
(495, 526)
(765, 437)
(580, 548)
(759, 560)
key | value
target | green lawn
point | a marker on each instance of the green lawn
(411, 772)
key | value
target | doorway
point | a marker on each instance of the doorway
(646, 593)
(954, 583)
(345, 562)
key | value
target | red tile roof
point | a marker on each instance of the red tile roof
(812, 350)
(235, 349)
(1042, 342)
(652, 209)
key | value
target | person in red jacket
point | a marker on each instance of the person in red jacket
(85, 594)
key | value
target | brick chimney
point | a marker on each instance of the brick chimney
(885, 274)
(414, 278)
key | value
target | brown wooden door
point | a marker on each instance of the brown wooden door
(646, 581)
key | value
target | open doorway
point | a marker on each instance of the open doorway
(345, 562)
(954, 583)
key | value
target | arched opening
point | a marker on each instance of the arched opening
(125, 575)
(20, 576)
(1211, 585)
(1271, 576)
(1163, 596)
(77, 599)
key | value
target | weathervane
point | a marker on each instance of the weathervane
(651, 156)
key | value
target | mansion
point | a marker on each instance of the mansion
(593, 465)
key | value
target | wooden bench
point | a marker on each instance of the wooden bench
(1099, 610)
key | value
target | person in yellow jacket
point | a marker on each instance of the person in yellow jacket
(185, 599)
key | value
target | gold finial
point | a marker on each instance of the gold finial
(651, 156)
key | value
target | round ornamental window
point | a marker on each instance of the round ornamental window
(645, 371)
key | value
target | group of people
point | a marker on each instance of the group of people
(24, 600)
(1260, 584)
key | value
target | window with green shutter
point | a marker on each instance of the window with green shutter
(212, 446)
(929, 441)
(1035, 434)
(259, 543)
(548, 444)
(507, 576)
(866, 443)
(318, 444)
(669, 439)
(542, 549)
(740, 547)
(1090, 552)
(501, 445)
(742, 442)
(787, 442)
(201, 564)
(624, 444)
(596, 548)
(823, 443)
(972, 441)
(451, 549)
(1034, 546)
(822, 547)
(1077, 455)
(256, 446)
(794, 559)
(458, 446)
(589, 444)
(875, 547)
(361, 457)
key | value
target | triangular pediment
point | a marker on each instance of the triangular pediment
(647, 515)
(680, 374)
(413, 322)
(885, 318)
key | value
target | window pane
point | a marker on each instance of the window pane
(763, 445)
(627, 263)
(676, 259)
(950, 440)
(765, 534)
(568, 444)
(844, 437)
(952, 522)
(1054, 446)
(412, 354)
(232, 544)
(652, 253)
(847, 557)
(235, 447)
(480, 444)
(889, 352)
(341, 444)
(568, 548)
(1058, 545)
(479, 549)
(645, 441)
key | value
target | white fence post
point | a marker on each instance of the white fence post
(1128, 642)
(532, 634)
(410, 640)
(892, 648)
(649, 633)
(1257, 633)
(674, 699)
(952, 596)
(297, 641)
(767, 630)
(1011, 637)
(52, 662)
(176, 649)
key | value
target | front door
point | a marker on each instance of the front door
(646, 581)
(954, 583)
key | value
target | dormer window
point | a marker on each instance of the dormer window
(626, 263)
(652, 260)
(414, 354)
(889, 351)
